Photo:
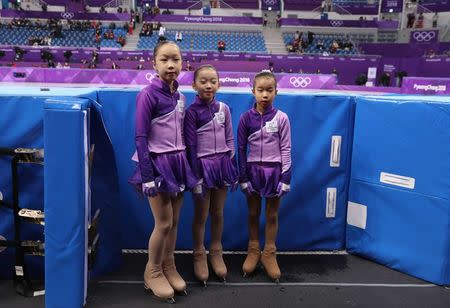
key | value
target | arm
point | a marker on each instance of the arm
(285, 149)
(229, 139)
(143, 127)
(190, 137)
(242, 150)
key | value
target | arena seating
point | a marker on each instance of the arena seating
(327, 40)
(207, 40)
(20, 36)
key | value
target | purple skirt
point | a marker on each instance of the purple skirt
(218, 171)
(264, 178)
(172, 173)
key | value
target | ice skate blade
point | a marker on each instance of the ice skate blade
(169, 300)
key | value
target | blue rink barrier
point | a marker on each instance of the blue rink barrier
(22, 125)
(312, 215)
(399, 207)
(67, 201)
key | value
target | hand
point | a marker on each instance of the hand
(198, 191)
(247, 188)
(149, 189)
(283, 189)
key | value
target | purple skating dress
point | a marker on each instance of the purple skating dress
(210, 143)
(268, 138)
(160, 150)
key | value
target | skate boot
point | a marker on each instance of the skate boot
(217, 264)
(201, 266)
(269, 261)
(253, 256)
(155, 281)
(172, 275)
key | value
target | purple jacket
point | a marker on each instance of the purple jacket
(207, 130)
(159, 124)
(268, 137)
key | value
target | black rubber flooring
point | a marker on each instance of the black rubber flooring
(337, 280)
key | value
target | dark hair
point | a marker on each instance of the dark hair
(202, 67)
(160, 44)
(265, 74)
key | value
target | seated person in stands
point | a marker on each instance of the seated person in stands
(290, 48)
(121, 40)
(334, 47)
(102, 9)
(296, 45)
(178, 36)
(66, 65)
(319, 45)
(188, 66)
(119, 10)
(162, 34)
(347, 45)
(221, 45)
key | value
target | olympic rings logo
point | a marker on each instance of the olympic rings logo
(270, 2)
(300, 81)
(424, 36)
(149, 76)
(336, 23)
(67, 15)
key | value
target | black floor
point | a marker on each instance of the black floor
(307, 281)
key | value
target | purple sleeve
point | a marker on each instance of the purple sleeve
(242, 150)
(229, 139)
(143, 126)
(285, 149)
(190, 138)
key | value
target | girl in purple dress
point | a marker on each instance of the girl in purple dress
(265, 172)
(210, 149)
(163, 171)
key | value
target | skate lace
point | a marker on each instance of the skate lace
(199, 255)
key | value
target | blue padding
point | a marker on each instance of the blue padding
(66, 205)
(404, 230)
(407, 228)
(314, 118)
(21, 125)
(403, 137)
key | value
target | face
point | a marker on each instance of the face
(167, 63)
(264, 91)
(206, 84)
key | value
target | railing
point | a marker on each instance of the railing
(117, 3)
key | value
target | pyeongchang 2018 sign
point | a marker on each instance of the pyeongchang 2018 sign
(430, 87)
(426, 86)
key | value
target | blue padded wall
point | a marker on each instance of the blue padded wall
(67, 201)
(21, 125)
(402, 220)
